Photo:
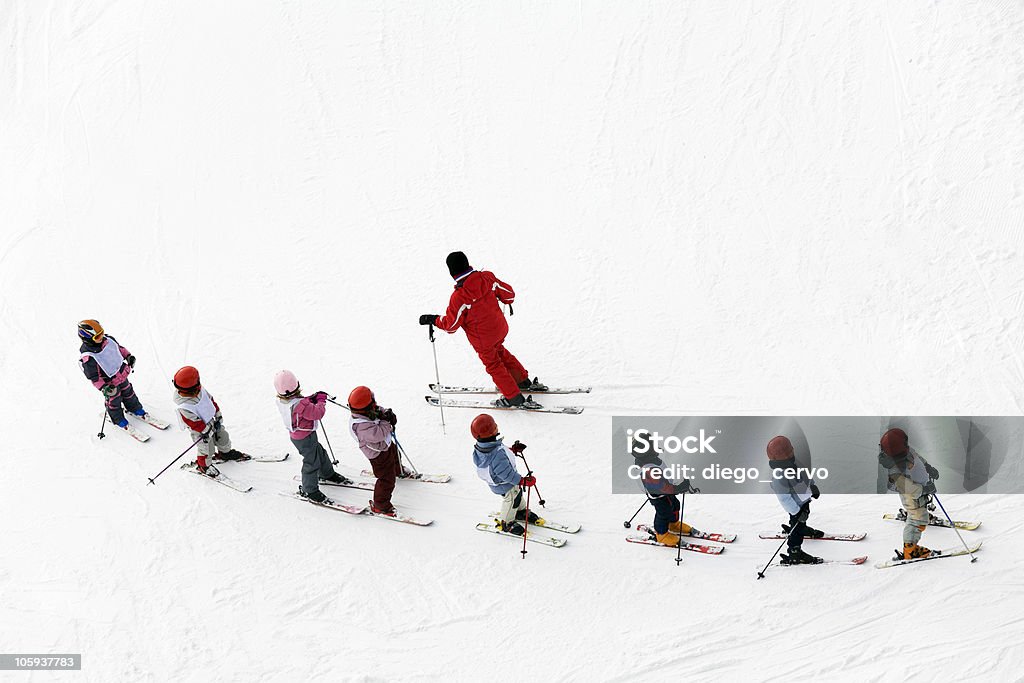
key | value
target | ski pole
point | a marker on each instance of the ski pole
(955, 528)
(402, 453)
(629, 524)
(152, 480)
(103, 425)
(540, 497)
(437, 377)
(334, 461)
(526, 525)
(679, 534)
(760, 574)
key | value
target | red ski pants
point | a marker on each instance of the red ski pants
(503, 368)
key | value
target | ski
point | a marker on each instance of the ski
(901, 516)
(450, 389)
(328, 503)
(254, 458)
(827, 537)
(695, 533)
(936, 555)
(549, 524)
(399, 517)
(418, 476)
(487, 405)
(150, 420)
(364, 485)
(134, 433)
(854, 561)
(220, 478)
(686, 545)
(530, 536)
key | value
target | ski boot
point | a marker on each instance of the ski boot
(521, 517)
(337, 479)
(407, 474)
(208, 470)
(798, 556)
(913, 551)
(812, 533)
(387, 512)
(517, 401)
(514, 528)
(681, 528)
(532, 385)
(233, 455)
(667, 538)
(316, 497)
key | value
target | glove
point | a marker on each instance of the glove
(932, 472)
(528, 480)
(217, 422)
(814, 491)
(109, 390)
(929, 488)
(317, 397)
(428, 319)
(517, 448)
(389, 416)
(682, 487)
(130, 360)
(885, 461)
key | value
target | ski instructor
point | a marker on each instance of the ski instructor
(474, 306)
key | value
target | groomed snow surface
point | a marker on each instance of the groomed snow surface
(739, 208)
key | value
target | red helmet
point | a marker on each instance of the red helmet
(780, 448)
(483, 426)
(186, 379)
(360, 398)
(894, 443)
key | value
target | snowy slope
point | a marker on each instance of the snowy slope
(721, 209)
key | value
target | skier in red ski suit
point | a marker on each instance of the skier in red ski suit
(474, 306)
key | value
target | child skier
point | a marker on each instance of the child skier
(200, 414)
(473, 306)
(913, 478)
(107, 365)
(661, 492)
(794, 491)
(373, 428)
(495, 465)
(301, 416)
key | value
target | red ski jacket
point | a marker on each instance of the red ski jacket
(474, 307)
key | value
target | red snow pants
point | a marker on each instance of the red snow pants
(503, 367)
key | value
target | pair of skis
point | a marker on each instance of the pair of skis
(141, 437)
(648, 538)
(369, 485)
(532, 536)
(360, 510)
(225, 480)
(441, 389)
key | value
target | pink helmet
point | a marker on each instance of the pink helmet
(286, 384)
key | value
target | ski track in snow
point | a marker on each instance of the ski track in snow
(707, 209)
